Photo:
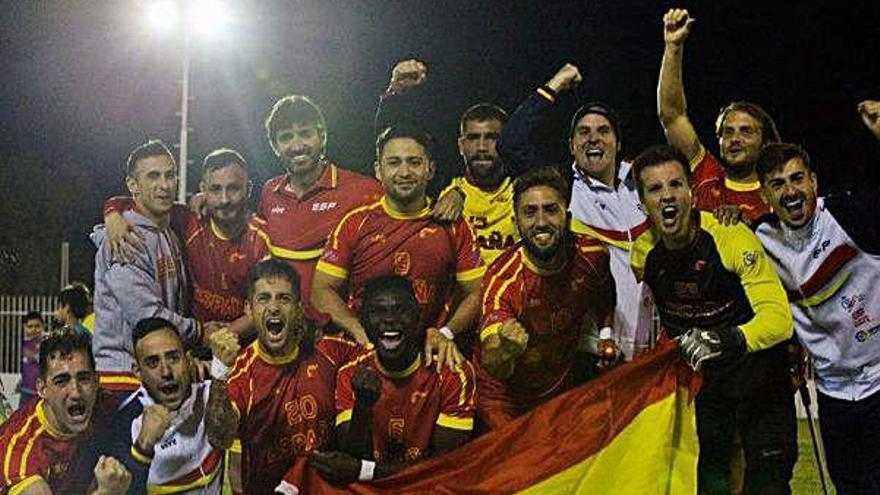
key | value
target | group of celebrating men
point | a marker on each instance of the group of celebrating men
(357, 326)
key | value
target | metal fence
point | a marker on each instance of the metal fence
(12, 309)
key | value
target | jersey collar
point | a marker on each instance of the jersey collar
(426, 211)
(44, 420)
(329, 179)
(470, 183)
(398, 374)
(741, 186)
(535, 268)
(276, 360)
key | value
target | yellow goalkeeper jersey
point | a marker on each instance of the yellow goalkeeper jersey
(490, 214)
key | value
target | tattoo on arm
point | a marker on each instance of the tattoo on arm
(221, 419)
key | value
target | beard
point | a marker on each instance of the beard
(482, 172)
(547, 253)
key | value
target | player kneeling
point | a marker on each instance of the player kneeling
(392, 409)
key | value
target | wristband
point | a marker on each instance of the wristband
(367, 469)
(605, 333)
(219, 371)
(446, 332)
(547, 93)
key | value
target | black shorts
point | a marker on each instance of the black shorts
(751, 396)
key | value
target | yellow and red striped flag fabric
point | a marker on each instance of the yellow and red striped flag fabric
(630, 431)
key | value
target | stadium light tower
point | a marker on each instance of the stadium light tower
(189, 19)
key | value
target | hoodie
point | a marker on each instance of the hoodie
(153, 285)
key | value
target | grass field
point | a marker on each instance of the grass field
(806, 476)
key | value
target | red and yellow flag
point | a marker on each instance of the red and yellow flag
(630, 431)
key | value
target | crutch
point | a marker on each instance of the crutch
(805, 399)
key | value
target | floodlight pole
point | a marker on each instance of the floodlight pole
(184, 120)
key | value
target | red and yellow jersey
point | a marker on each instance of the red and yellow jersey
(286, 406)
(490, 214)
(33, 450)
(552, 307)
(374, 240)
(298, 227)
(412, 403)
(712, 188)
(219, 267)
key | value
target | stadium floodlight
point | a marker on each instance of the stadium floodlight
(190, 19)
(208, 17)
(162, 15)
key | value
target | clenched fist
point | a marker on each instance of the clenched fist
(566, 78)
(869, 110)
(155, 422)
(224, 346)
(408, 74)
(514, 337)
(367, 385)
(677, 26)
(111, 476)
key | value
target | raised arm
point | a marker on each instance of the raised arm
(398, 104)
(517, 144)
(222, 417)
(356, 435)
(671, 103)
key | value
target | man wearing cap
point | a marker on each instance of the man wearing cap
(604, 202)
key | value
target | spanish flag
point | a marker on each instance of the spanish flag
(630, 431)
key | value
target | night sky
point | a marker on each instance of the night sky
(83, 82)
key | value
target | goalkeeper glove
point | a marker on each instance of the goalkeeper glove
(700, 344)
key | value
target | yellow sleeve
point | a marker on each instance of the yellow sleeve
(26, 483)
(698, 158)
(456, 182)
(639, 253)
(742, 253)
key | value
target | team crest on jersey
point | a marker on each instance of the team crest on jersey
(402, 263)
(750, 258)
(311, 370)
(426, 231)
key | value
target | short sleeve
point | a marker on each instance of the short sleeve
(459, 398)
(337, 254)
(468, 263)
(344, 394)
(497, 298)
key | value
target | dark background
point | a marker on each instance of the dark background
(83, 82)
